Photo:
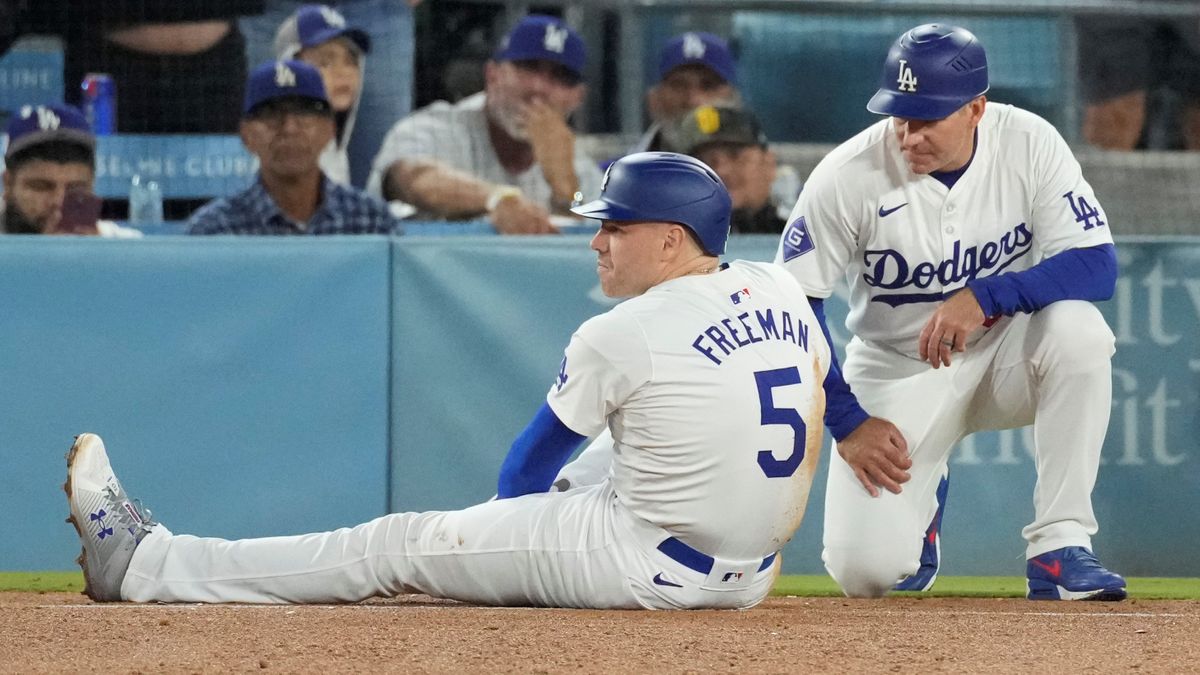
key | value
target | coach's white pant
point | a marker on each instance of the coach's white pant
(1051, 368)
(580, 548)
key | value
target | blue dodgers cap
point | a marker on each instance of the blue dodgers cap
(284, 79)
(543, 38)
(930, 72)
(312, 25)
(703, 49)
(43, 123)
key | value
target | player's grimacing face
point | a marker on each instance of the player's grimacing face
(628, 257)
(939, 145)
(340, 70)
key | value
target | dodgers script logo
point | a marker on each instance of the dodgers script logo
(889, 269)
(907, 81)
(796, 240)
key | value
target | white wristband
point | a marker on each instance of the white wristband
(499, 194)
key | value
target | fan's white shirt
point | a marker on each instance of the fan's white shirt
(457, 135)
(904, 241)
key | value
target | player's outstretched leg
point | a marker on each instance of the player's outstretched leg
(110, 525)
(1072, 573)
(931, 546)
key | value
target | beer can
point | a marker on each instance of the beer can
(100, 103)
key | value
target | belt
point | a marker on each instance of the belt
(695, 560)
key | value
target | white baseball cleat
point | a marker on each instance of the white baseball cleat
(109, 524)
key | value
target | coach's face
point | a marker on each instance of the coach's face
(939, 145)
(632, 256)
(288, 135)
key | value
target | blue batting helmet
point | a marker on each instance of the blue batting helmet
(666, 187)
(931, 71)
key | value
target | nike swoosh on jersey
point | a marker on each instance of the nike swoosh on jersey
(658, 579)
(884, 213)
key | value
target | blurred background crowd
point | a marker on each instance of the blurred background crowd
(131, 117)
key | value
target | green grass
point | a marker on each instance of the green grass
(42, 582)
(1144, 588)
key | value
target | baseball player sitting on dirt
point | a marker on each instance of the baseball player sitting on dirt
(507, 153)
(708, 379)
(974, 249)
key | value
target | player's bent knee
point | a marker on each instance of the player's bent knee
(862, 574)
(1074, 332)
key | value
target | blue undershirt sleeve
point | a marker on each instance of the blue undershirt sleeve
(1075, 274)
(843, 414)
(537, 455)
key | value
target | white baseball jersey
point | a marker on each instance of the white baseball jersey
(904, 242)
(712, 388)
(738, 344)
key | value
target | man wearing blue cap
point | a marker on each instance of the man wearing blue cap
(974, 249)
(507, 153)
(287, 122)
(49, 173)
(694, 69)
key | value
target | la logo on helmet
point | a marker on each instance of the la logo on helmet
(907, 81)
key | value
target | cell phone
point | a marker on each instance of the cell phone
(80, 212)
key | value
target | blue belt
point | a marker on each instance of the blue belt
(692, 559)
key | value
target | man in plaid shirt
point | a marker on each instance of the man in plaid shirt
(286, 122)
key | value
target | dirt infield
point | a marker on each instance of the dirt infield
(59, 632)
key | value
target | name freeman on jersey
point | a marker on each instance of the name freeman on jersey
(727, 337)
(889, 269)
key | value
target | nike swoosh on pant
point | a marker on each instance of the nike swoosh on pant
(658, 579)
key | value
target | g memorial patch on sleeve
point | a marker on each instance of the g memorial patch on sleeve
(796, 240)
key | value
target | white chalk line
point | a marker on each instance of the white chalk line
(291, 609)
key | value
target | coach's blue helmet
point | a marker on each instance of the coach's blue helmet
(931, 71)
(666, 187)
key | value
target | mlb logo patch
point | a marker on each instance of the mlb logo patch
(796, 240)
(737, 298)
(731, 577)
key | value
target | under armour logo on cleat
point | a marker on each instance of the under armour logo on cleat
(98, 517)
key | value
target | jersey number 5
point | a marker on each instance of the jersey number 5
(767, 381)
